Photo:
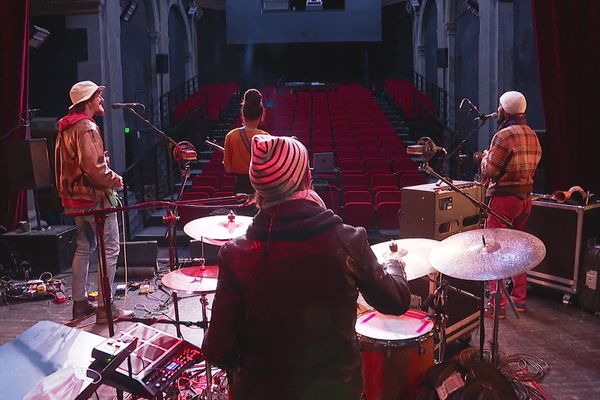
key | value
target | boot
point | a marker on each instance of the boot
(82, 308)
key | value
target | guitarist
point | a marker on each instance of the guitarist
(85, 181)
(236, 158)
(509, 164)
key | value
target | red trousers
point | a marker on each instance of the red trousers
(516, 210)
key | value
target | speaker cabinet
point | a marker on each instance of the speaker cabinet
(28, 164)
(50, 250)
(566, 230)
(142, 259)
(437, 212)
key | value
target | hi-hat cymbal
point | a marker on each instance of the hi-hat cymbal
(487, 254)
(413, 252)
(217, 227)
(192, 280)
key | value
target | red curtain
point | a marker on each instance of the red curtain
(567, 37)
(14, 73)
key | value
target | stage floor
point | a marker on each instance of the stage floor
(565, 337)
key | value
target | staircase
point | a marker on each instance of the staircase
(153, 228)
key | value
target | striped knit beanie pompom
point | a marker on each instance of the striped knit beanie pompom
(278, 167)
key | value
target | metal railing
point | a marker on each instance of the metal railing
(169, 100)
(436, 94)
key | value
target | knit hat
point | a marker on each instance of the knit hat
(278, 167)
(513, 102)
(83, 91)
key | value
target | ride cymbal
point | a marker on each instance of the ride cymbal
(487, 254)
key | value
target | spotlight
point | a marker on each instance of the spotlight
(128, 11)
(192, 10)
(40, 35)
(412, 6)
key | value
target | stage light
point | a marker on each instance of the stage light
(40, 35)
(128, 11)
(192, 10)
(412, 6)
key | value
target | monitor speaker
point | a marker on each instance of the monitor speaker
(28, 164)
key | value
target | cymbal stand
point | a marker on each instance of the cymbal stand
(437, 301)
(171, 219)
(204, 304)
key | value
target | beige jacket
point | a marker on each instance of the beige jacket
(81, 168)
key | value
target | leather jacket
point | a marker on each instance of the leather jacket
(284, 313)
(81, 169)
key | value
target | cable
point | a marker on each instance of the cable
(126, 266)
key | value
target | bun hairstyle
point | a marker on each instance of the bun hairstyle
(252, 105)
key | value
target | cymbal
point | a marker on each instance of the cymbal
(413, 252)
(217, 227)
(487, 254)
(192, 280)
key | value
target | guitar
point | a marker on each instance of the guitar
(214, 145)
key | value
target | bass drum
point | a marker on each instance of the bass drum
(396, 352)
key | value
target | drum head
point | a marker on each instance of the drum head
(380, 327)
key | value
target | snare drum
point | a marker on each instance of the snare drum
(396, 352)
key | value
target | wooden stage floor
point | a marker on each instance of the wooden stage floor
(565, 337)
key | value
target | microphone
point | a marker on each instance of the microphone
(485, 117)
(128, 105)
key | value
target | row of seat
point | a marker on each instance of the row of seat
(210, 98)
(406, 96)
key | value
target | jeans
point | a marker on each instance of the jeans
(516, 210)
(86, 244)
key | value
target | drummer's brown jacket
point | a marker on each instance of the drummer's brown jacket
(284, 314)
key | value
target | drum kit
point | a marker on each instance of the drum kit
(407, 341)
(476, 255)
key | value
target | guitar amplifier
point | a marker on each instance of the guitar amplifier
(436, 211)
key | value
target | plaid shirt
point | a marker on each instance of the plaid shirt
(515, 150)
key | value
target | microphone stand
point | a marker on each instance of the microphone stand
(460, 156)
(424, 167)
(171, 219)
(100, 218)
(485, 210)
(169, 142)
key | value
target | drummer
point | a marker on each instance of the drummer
(284, 313)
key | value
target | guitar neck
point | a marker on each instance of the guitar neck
(214, 145)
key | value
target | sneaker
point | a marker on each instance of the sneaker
(489, 313)
(115, 311)
(520, 307)
(83, 308)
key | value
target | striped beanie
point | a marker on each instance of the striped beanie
(278, 167)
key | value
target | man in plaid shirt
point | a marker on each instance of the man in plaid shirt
(510, 165)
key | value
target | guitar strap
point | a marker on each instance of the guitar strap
(242, 133)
